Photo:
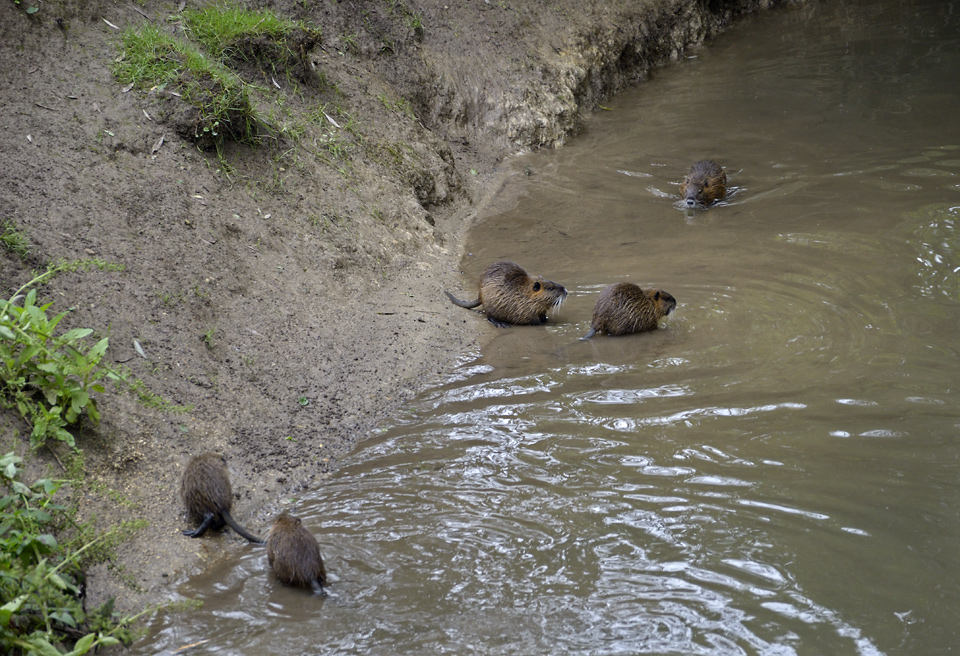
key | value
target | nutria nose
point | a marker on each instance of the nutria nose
(691, 202)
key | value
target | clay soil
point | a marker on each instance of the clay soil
(290, 291)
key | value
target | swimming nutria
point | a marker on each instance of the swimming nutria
(705, 183)
(294, 554)
(509, 295)
(625, 308)
(205, 490)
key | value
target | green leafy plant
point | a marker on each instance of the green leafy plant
(40, 576)
(47, 377)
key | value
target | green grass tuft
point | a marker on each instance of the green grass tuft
(221, 27)
(14, 239)
(154, 59)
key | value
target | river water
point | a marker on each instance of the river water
(775, 471)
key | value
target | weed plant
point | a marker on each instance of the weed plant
(49, 378)
(41, 576)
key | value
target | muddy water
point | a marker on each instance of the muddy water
(774, 472)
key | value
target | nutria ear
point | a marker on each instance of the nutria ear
(656, 296)
(296, 521)
(536, 286)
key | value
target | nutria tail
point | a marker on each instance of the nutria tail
(240, 530)
(464, 304)
(704, 184)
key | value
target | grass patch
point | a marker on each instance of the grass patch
(224, 30)
(14, 239)
(154, 59)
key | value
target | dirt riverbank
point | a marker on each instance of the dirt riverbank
(290, 292)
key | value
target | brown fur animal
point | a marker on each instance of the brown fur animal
(207, 495)
(624, 308)
(704, 184)
(294, 554)
(510, 295)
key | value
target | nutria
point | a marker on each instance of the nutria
(294, 554)
(705, 183)
(625, 308)
(510, 295)
(205, 490)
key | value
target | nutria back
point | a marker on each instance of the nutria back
(205, 488)
(625, 308)
(207, 495)
(704, 184)
(294, 554)
(510, 295)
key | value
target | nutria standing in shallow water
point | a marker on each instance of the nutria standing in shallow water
(206, 492)
(705, 183)
(624, 308)
(294, 554)
(510, 295)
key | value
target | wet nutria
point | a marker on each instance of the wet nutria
(705, 183)
(510, 295)
(625, 308)
(294, 554)
(206, 492)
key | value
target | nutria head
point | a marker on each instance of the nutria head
(665, 302)
(704, 184)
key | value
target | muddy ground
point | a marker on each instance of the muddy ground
(290, 292)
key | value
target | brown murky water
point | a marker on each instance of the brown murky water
(774, 472)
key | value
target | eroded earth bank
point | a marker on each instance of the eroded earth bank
(290, 290)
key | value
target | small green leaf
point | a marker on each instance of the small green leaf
(83, 645)
(79, 400)
(63, 617)
(57, 581)
(10, 608)
(95, 353)
(48, 539)
(65, 436)
(42, 647)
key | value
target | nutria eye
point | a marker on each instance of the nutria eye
(536, 286)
